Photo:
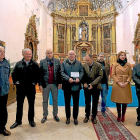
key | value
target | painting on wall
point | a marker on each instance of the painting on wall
(74, 33)
(93, 43)
(61, 32)
(2, 43)
(106, 31)
(107, 48)
(60, 46)
(83, 10)
(93, 33)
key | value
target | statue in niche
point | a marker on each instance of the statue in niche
(83, 31)
(74, 33)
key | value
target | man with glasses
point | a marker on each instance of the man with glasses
(72, 73)
(4, 90)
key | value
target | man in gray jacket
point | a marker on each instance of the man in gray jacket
(72, 73)
(50, 79)
(4, 90)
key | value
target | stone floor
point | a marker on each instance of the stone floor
(52, 130)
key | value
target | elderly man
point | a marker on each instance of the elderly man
(93, 74)
(50, 80)
(72, 73)
(104, 82)
(25, 77)
(4, 90)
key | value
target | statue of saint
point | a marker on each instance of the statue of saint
(83, 33)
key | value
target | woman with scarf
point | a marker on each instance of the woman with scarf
(121, 91)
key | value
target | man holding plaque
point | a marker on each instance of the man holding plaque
(72, 73)
(93, 74)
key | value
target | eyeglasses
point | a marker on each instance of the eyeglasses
(2, 51)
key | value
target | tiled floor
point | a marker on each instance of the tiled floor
(52, 130)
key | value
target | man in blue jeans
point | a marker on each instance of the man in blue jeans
(104, 82)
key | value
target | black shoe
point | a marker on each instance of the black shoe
(138, 123)
(75, 121)
(44, 119)
(103, 113)
(32, 124)
(94, 121)
(85, 120)
(5, 132)
(56, 118)
(68, 121)
(15, 125)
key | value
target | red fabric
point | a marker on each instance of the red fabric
(51, 74)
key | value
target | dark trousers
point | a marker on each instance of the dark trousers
(75, 96)
(138, 109)
(3, 112)
(95, 97)
(22, 92)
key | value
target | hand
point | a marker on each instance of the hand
(77, 80)
(59, 86)
(125, 84)
(33, 84)
(85, 85)
(120, 84)
(71, 80)
(90, 86)
(41, 88)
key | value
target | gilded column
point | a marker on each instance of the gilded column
(55, 38)
(68, 38)
(99, 39)
(113, 46)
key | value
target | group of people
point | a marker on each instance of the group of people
(72, 75)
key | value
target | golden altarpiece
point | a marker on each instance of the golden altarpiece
(85, 31)
(136, 42)
(31, 39)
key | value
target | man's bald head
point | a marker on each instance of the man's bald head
(49, 53)
(71, 55)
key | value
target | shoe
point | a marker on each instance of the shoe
(104, 115)
(85, 120)
(5, 132)
(44, 119)
(68, 121)
(56, 118)
(119, 117)
(94, 121)
(123, 118)
(75, 121)
(32, 124)
(138, 123)
(15, 125)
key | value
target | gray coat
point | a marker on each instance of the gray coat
(44, 73)
(66, 69)
(4, 77)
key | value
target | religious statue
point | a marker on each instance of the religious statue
(83, 33)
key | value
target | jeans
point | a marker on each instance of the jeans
(104, 93)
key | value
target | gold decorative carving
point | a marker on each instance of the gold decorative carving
(136, 42)
(93, 40)
(31, 38)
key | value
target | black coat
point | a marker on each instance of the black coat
(136, 77)
(44, 72)
(26, 74)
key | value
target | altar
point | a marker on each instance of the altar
(61, 101)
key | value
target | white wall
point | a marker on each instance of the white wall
(14, 17)
(125, 27)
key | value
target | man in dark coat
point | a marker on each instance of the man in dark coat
(104, 82)
(4, 90)
(136, 79)
(25, 77)
(72, 73)
(93, 74)
(50, 79)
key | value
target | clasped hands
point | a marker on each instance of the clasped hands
(76, 81)
(122, 84)
(88, 86)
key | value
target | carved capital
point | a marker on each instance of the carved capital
(55, 24)
(68, 26)
(113, 23)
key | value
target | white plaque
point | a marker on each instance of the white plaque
(75, 74)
